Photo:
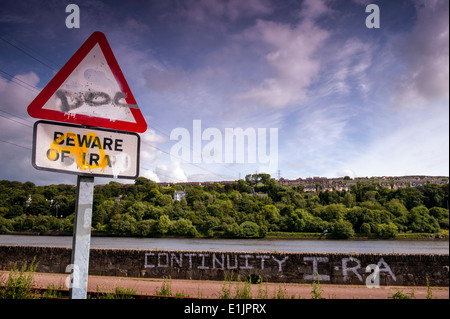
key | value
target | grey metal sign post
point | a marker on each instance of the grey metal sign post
(82, 238)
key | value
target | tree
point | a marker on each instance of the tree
(441, 215)
(433, 195)
(122, 224)
(145, 228)
(342, 229)
(29, 187)
(14, 211)
(138, 210)
(63, 205)
(420, 221)
(209, 225)
(349, 200)
(396, 207)
(146, 209)
(50, 191)
(332, 212)
(163, 200)
(365, 229)
(294, 221)
(271, 214)
(329, 197)
(38, 205)
(163, 225)
(385, 231)
(243, 187)
(232, 230)
(6, 225)
(183, 227)
(410, 196)
(4, 211)
(250, 230)
(370, 196)
(103, 212)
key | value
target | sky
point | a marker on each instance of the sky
(333, 97)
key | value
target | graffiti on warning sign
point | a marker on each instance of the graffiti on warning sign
(86, 151)
(66, 144)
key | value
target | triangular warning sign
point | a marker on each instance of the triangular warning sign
(90, 90)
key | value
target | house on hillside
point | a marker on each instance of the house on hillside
(400, 185)
(385, 184)
(178, 195)
(342, 187)
(309, 189)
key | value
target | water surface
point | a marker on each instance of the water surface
(245, 245)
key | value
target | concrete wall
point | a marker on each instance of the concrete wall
(393, 269)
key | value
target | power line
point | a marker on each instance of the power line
(28, 54)
(13, 79)
(37, 53)
(13, 120)
(11, 143)
(20, 117)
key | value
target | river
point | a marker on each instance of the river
(245, 245)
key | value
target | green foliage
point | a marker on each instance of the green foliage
(166, 288)
(420, 221)
(342, 229)
(183, 227)
(441, 215)
(249, 230)
(401, 295)
(19, 284)
(385, 231)
(247, 208)
(316, 290)
(121, 293)
(365, 229)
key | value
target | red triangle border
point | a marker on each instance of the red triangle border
(35, 108)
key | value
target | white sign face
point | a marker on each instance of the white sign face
(79, 150)
(91, 90)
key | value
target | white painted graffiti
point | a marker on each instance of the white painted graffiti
(311, 268)
(380, 267)
(212, 261)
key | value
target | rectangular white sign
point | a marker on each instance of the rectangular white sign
(81, 150)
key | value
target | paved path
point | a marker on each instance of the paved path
(213, 289)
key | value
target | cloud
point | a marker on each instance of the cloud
(18, 92)
(292, 58)
(171, 172)
(17, 131)
(172, 80)
(210, 177)
(346, 70)
(148, 173)
(313, 9)
(426, 58)
(407, 144)
(208, 12)
(149, 143)
(15, 99)
(317, 138)
(363, 2)
(134, 25)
